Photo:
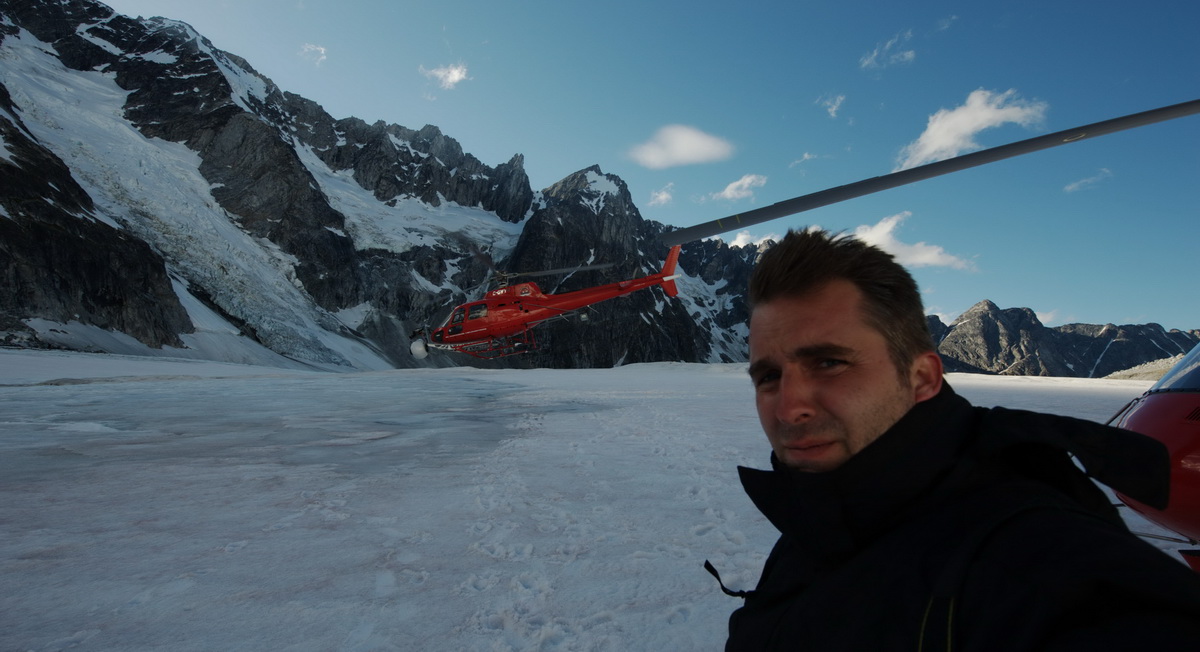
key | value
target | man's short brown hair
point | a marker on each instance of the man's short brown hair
(806, 260)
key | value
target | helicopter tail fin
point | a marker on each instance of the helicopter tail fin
(668, 272)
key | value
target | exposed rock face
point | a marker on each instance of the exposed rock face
(589, 218)
(300, 262)
(394, 162)
(60, 263)
(1014, 342)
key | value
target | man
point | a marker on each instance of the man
(911, 520)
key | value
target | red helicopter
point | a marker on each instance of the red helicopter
(501, 324)
(1168, 412)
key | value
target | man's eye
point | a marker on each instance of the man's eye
(831, 363)
(765, 378)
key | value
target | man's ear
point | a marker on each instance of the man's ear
(925, 376)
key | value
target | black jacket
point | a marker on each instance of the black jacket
(968, 529)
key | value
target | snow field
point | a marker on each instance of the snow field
(185, 506)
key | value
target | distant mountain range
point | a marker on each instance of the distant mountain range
(987, 339)
(160, 197)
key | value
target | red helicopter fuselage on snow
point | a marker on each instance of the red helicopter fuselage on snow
(501, 323)
(1170, 412)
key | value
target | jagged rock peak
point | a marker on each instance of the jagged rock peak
(591, 179)
(601, 194)
(982, 308)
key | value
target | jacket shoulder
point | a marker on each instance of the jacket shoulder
(1069, 577)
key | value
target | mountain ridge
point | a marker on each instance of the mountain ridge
(161, 197)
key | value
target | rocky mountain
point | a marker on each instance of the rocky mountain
(1012, 341)
(158, 196)
(159, 192)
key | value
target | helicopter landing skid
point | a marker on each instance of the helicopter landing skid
(500, 347)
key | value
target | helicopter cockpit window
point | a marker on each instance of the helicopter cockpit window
(456, 321)
(1184, 376)
(478, 310)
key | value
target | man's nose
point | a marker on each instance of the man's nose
(797, 400)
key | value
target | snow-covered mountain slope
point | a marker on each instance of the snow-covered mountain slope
(153, 189)
(159, 196)
(320, 240)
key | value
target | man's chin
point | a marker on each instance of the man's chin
(813, 459)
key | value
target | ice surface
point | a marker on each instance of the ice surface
(185, 505)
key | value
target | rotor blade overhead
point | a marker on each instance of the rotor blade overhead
(564, 270)
(505, 276)
(912, 175)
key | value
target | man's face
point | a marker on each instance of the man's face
(824, 382)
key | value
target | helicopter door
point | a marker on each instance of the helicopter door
(456, 321)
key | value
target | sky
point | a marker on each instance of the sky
(454, 509)
(707, 110)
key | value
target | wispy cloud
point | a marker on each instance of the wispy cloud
(951, 132)
(447, 77)
(946, 23)
(675, 145)
(741, 189)
(807, 156)
(921, 254)
(1048, 317)
(831, 103)
(889, 53)
(1082, 184)
(313, 53)
(663, 196)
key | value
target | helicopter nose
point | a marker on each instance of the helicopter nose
(418, 349)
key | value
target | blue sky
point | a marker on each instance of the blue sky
(707, 109)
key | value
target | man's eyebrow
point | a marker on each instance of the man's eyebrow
(821, 351)
(759, 367)
(804, 353)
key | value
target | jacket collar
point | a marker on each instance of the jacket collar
(834, 513)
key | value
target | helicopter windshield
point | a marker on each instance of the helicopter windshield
(1184, 376)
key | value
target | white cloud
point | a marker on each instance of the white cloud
(946, 23)
(889, 53)
(663, 196)
(675, 145)
(951, 132)
(1047, 317)
(313, 53)
(807, 156)
(1103, 174)
(447, 76)
(744, 238)
(831, 103)
(742, 188)
(921, 254)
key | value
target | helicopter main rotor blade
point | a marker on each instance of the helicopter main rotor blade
(561, 270)
(912, 175)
